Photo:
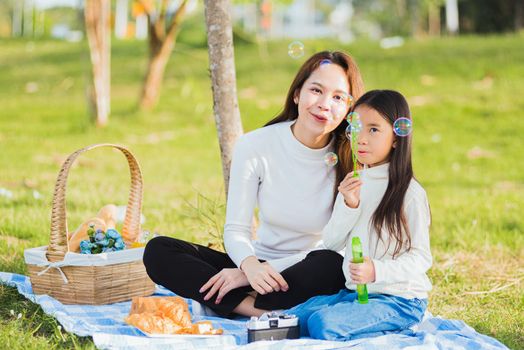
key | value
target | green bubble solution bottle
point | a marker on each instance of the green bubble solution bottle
(358, 258)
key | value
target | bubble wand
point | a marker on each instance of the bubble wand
(358, 258)
(352, 131)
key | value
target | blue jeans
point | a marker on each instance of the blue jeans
(341, 317)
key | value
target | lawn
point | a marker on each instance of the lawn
(466, 98)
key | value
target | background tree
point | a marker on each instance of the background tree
(519, 15)
(223, 78)
(163, 30)
(97, 17)
(434, 19)
(490, 16)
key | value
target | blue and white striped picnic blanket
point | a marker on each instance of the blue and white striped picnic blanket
(106, 325)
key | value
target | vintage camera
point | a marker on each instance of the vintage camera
(272, 326)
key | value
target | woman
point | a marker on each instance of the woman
(282, 169)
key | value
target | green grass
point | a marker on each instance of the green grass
(465, 94)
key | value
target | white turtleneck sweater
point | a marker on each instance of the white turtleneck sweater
(404, 276)
(293, 188)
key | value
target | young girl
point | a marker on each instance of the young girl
(388, 209)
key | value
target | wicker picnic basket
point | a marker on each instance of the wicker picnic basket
(75, 278)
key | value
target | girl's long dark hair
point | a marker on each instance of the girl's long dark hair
(356, 89)
(391, 105)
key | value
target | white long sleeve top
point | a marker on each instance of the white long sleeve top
(404, 276)
(293, 188)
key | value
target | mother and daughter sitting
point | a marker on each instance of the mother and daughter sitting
(309, 210)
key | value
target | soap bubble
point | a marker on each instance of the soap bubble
(351, 99)
(353, 119)
(338, 112)
(402, 127)
(351, 116)
(325, 61)
(331, 159)
(356, 126)
(295, 49)
(348, 132)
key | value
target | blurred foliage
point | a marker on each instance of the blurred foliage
(407, 17)
(392, 17)
(488, 16)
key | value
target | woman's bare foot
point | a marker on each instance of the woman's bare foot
(247, 307)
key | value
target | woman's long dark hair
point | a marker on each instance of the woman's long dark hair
(356, 89)
(391, 105)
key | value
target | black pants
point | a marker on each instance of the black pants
(184, 268)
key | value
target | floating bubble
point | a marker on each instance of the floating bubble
(353, 119)
(351, 116)
(325, 61)
(295, 49)
(338, 112)
(331, 159)
(351, 99)
(356, 126)
(402, 127)
(348, 132)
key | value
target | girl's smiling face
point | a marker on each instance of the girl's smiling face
(376, 139)
(323, 100)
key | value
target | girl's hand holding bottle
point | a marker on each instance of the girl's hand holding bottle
(362, 273)
(350, 190)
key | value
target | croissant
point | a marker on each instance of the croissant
(151, 323)
(166, 315)
(149, 304)
(177, 311)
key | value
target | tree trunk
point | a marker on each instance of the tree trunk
(158, 58)
(434, 19)
(18, 16)
(97, 16)
(417, 28)
(121, 13)
(161, 45)
(223, 78)
(452, 17)
(401, 8)
(519, 15)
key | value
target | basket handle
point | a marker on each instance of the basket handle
(58, 246)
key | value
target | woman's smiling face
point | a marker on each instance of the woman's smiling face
(323, 100)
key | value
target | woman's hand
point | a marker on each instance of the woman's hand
(362, 273)
(350, 190)
(262, 277)
(223, 282)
